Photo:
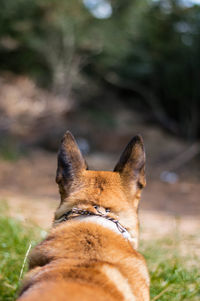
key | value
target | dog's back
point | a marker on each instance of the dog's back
(90, 254)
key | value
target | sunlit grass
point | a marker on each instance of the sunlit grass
(14, 242)
(173, 277)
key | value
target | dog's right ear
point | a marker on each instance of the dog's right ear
(70, 160)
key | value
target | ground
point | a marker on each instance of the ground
(28, 185)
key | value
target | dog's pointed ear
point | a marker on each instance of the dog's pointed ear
(70, 160)
(131, 165)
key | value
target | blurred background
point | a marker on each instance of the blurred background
(105, 70)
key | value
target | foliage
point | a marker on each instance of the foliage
(162, 65)
(148, 48)
(156, 60)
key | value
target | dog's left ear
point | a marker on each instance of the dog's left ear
(70, 160)
(131, 165)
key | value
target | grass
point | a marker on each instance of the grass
(10, 151)
(173, 277)
(14, 242)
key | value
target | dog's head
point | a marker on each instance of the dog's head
(117, 193)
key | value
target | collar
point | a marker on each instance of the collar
(99, 218)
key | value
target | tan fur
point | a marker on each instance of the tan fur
(84, 260)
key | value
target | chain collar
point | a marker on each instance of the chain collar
(82, 212)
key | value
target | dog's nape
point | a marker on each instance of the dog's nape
(128, 175)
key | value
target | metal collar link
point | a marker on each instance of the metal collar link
(66, 216)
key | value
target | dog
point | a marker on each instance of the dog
(91, 251)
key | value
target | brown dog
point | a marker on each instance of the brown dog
(90, 254)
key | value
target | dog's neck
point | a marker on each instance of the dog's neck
(99, 218)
